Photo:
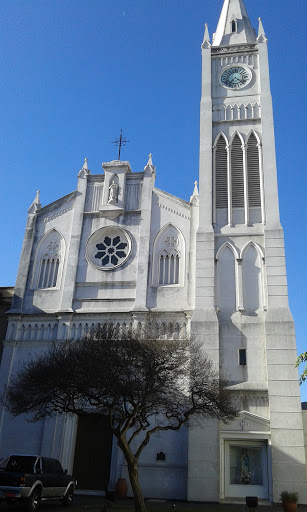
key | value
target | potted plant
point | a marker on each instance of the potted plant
(289, 500)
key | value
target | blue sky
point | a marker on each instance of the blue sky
(74, 72)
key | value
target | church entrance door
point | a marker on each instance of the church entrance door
(246, 469)
(93, 452)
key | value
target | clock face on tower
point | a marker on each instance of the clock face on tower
(235, 77)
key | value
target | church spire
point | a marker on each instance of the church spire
(234, 26)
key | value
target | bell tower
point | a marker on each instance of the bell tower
(242, 316)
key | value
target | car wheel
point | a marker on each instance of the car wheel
(33, 501)
(68, 498)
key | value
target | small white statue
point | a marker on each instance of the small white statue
(113, 193)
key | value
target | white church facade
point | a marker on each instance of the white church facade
(118, 250)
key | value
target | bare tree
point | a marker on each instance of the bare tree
(142, 385)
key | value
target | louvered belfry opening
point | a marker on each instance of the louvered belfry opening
(254, 196)
(237, 175)
(221, 174)
(238, 181)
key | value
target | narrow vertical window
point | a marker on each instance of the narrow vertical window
(242, 357)
(233, 26)
(172, 269)
(237, 177)
(176, 269)
(253, 172)
(166, 270)
(221, 174)
(42, 273)
(161, 268)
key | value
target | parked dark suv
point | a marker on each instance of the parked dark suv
(30, 479)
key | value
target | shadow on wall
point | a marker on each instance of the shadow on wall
(288, 469)
(233, 352)
(242, 348)
(6, 296)
(289, 472)
(152, 291)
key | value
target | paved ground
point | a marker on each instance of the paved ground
(98, 504)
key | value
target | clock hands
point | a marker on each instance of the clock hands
(234, 78)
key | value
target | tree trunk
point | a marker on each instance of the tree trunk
(132, 462)
(139, 504)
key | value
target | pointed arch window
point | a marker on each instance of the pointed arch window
(227, 282)
(251, 278)
(49, 261)
(168, 257)
(221, 173)
(237, 175)
(253, 172)
(233, 26)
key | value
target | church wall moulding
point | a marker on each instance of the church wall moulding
(72, 330)
(250, 60)
(58, 214)
(172, 210)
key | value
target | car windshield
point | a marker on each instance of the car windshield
(18, 464)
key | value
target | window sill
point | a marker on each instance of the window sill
(53, 288)
(167, 285)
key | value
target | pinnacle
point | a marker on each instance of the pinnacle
(36, 205)
(261, 33)
(206, 42)
(85, 170)
(195, 192)
(149, 166)
(149, 159)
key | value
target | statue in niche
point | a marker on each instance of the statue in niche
(113, 193)
(245, 472)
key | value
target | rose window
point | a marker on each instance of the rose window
(108, 248)
(111, 250)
